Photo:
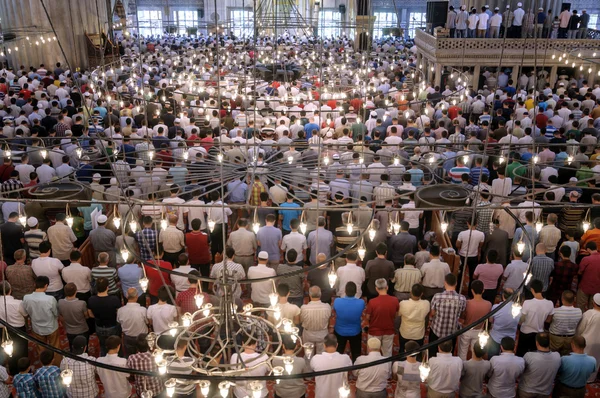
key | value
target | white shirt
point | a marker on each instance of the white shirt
(115, 384)
(132, 318)
(16, 313)
(483, 21)
(434, 273)
(528, 206)
(328, 385)
(250, 360)
(261, 290)
(374, 378)
(315, 316)
(50, 267)
(535, 313)
(470, 242)
(412, 217)
(350, 273)
(518, 17)
(79, 275)
(296, 241)
(178, 210)
(161, 315)
(181, 283)
(444, 376)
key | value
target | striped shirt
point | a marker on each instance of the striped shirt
(565, 320)
(456, 173)
(382, 193)
(315, 316)
(33, 238)
(108, 273)
(550, 236)
(541, 268)
(405, 278)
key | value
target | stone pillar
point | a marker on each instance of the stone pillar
(476, 71)
(438, 75)
(515, 75)
(364, 31)
(592, 75)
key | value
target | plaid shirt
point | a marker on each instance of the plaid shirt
(49, 382)
(146, 240)
(448, 306)
(257, 189)
(541, 268)
(25, 386)
(84, 378)
(562, 276)
(145, 361)
(186, 301)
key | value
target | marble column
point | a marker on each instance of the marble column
(71, 19)
(438, 75)
(553, 75)
(476, 72)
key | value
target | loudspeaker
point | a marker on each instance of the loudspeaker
(200, 13)
(437, 12)
(342, 8)
(565, 6)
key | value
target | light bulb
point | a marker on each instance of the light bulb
(206, 311)
(186, 155)
(273, 299)
(23, 220)
(290, 159)
(483, 336)
(220, 157)
(144, 283)
(170, 387)
(44, 153)
(288, 363)
(521, 247)
(133, 226)
(255, 227)
(326, 160)
(465, 159)
(396, 227)
(536, 159)
(277, 371)
(372, 234)
(256, 387)
(224, 388)
(277, 313)
(569, 159)
(162, 366)
(332, 276)
(515, 309)
(424, 370)
(117, 222)
(586, 226)
(344, 391)
(8, 153)
(303, 228)
(125, 254)
(186, 319)
(211, 225)
(163, 224)
(67, 377)
(158, 354)
(361, 160)
(444, 226)
(361, 253)
(199, 298)
(501, 159)
(150, 155)
(350, 227)
(308, 349)
(8, 347)
(527, 276)
(204, 387)
(69, 221)
(538, 226)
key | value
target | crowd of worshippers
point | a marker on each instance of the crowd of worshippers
(540, 160)
(517, 23)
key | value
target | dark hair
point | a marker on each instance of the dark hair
(291, 255)
(508, 343)
(283, 289)
(543, 339)
(565, 250)
(417, 290)
(477, 286)
(75, 256)
(141, 342)
(23, 364)
(102, 284)
(192, 276)
(70, 289)
(435, 250)
(381, 248)
(350, 289)
(492, 256)
(450, 279)
(196, 224)
(446, 346)
(478, 351)
(536, 285)
(41, 281)
(113, 342)
(46, 357)
(163, 293)
(45, 247)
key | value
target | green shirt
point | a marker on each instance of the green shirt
(512, 170)
(78, 229)
(87, 214)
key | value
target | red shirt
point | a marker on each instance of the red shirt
(589, 268)
(541, 120)
(453, 112)
(153, 276)
(187, 302)
(26, 93)
(192, 139)
(383, 310)
(207, 143)
(356, 103)
(197, 247)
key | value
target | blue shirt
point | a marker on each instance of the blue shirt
(505, 325)
(49, 382)
(289, 215)
(269, 238)
(237, 191)
(308, 129)
(575, 369)
(86, 212)
(130, 275)
(25, 386)
(348, 314)
(476, 172)
(416, 177)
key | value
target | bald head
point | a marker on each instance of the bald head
(132, 294)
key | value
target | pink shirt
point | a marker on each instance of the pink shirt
(489, 274)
